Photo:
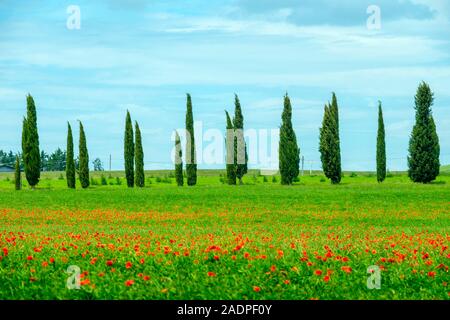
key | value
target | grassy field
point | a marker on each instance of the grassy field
(213, 241)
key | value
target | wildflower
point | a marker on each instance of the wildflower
(256, 289)
(129, 283)
(318, 272)
(211, 274)
(128, 265)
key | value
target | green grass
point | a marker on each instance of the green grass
(188, 238)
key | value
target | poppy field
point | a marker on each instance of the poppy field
(257, 241)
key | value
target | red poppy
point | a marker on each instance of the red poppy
(30, 258)
(318, 272)
(326, 278)
(109, 263)
(256, 289)
(273, 268)
(287, 281)
(128, 265)
(45, 264)
(216, 258)
(142, 261)
(146, 278)
(85, 282)
(129, 283)
(211, 274)
(52, 260)
(346, 269)
(431, 274)
(5, 251)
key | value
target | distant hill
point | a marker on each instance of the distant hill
(445, 168)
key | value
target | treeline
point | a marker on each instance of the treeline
(423, 158)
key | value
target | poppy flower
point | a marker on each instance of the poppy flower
(5, 251)
(45, 264)
(30, 258)
(128, 265)
(273, 268)
(109, 263)
(129, 283)
(326, 278)
(318, 272)
(346, 269)
(256, 289)
(431, 274)
(52, 260)
(216, 258)
(146, 278)
(287, 281)
(142, 261)
(85, 282)
(211, 274)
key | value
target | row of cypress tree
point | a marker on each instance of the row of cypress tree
(133, 154)
(423, 158)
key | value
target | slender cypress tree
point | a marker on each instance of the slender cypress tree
(129, 151)
(70, 162)
(381, 147)
(191, 157)
(241, 148)
(231, 151)
(329, 147)
(178, 161)
(30, 145)
(17, 175)
(83, 170)
(139, 158)
(424, 149)
(289, 152)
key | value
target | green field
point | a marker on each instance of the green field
(260, 240)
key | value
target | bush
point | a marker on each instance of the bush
(94, 182)
(353, 175)
(61, 177)
(158, 179)
(265, 179)
(118, 181)
(103, 181)
(323, 179)
(274, 179)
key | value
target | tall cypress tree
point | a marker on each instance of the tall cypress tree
(288, 152)
(329, 146)
(129, 151)
(241, 147)
(139, 158)
(424, 149)
(70, 162)
(17, 175)
(191, 157)
(178, 161)
(231, 151)
(381, 147)
(83, 170)
(30, 145)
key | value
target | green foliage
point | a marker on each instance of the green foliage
(240, 145)
(191, 157)
(424, 149)
(178, 161)
(83, 171)
(231, 151)
(103, 181)
(17, 174)
(129, 151)
(329, 147)
(381, 147)
(139, 158)
(30, 144)
(70, 162)
(288, 152)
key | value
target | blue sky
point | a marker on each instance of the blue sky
(145, 55)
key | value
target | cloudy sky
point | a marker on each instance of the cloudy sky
(145, 55)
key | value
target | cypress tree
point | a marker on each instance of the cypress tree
(424, 149)
(129, 151)
(288, 152)
(83, 170)
(231, 151)
(17, 174)
(191, 157)
(329, 146)
(139, 158)
(70, 162)
(381, 147)
(241, 148)
(30, 145)
(178, 161)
